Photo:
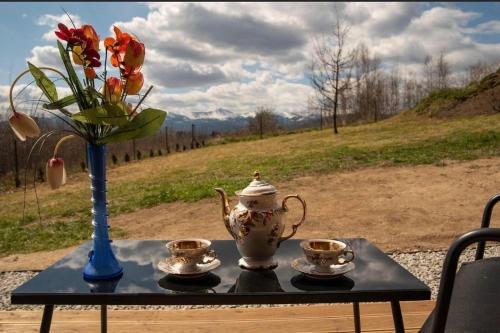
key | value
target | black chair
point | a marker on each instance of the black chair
(469, 300)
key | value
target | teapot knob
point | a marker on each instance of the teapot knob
(256, 175)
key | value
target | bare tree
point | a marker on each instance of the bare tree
(442, 72)
(264, 121)
(477, 71)
(394, 99)
(429, 74)
(331, 66)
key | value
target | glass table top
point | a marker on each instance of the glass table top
(376, 277)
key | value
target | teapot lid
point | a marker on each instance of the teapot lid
(257, 187)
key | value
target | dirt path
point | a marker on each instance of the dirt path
(404, 208)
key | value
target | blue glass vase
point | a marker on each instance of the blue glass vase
(102, 263)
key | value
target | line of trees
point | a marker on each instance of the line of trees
(353, 84)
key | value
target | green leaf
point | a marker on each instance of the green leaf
(63, 102)
(43, 82)
(108, 114)
(146, 123)
(72, 75)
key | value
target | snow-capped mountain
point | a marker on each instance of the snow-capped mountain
(220, 113)
(223, 120)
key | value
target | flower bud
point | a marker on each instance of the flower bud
(90, 73)
(23, 126)
(56, 173)
(134, 83)
(112, 90)
(134, 54)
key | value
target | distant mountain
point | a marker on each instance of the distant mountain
(220, 113)
(223, 120)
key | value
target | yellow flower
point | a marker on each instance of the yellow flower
(23, 126)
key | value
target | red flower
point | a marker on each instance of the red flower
(84, 44)
(72, 36)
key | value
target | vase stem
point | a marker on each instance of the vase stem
(102, 263)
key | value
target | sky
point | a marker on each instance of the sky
(238, 56)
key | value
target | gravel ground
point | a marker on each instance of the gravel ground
(426, 266)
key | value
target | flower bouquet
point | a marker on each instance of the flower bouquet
(96, 111)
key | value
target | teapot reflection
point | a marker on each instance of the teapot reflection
(103, 286)
(305, 283)
(256, 281)
(202, 285)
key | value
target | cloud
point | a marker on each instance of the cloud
(51, 21)
(239, 97)
(241, 55)
(243, 32)
(45, 56)
(490, 27)
(181, 75)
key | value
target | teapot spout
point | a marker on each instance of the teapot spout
(225, 208)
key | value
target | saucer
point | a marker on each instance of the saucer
(311, 271)
(168, 265)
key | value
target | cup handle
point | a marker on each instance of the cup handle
(296, 225)
(347, 260)
(209, 257)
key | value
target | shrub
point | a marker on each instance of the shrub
(127, 157)
(139, 155)
(151, 153)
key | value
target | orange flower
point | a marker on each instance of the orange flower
(117, 46)
(56, 173)
(90, 33)
(112, 90)
(134, 55)
(134, 83)
(23, 126)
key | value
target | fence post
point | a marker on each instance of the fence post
(133, 150)
(321, 118)
(16, 166)
(166, 140)
(193, 140)
(260, 126)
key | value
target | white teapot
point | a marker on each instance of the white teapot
(256, 224)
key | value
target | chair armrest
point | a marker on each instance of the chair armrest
(450, 270)
(485, 223)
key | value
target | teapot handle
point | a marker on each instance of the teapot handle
(297, 225)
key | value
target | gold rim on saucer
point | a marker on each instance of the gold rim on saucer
(171, 266)
(308, 269)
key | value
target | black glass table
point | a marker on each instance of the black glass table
(376, 278)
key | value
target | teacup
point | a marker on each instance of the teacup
(324, 253)
(190, 252)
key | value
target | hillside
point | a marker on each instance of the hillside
(192, 175)
(478, 98)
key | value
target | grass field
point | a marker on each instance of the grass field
(190, 176)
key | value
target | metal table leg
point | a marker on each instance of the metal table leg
(48, 309)
(104, 319)
(397, 317)
(357, 319)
